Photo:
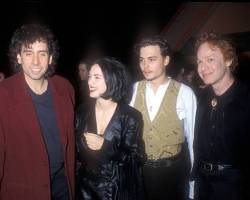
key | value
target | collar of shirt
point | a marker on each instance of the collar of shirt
(153, 100)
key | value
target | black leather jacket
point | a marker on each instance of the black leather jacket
(114, 171)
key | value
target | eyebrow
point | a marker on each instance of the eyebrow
(95, 75)
(148, 57)
(206, 56)
(30, 50)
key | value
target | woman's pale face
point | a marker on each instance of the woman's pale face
(96, 82)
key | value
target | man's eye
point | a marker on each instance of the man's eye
(210, 60)
(43, 54)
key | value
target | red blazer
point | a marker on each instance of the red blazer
(24, 164)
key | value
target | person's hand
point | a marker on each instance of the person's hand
(93, 141)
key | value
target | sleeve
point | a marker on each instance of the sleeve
(133, 158)
(132, 102)
(186, 110)
(133, 142)
(2, 154)
(72, 93)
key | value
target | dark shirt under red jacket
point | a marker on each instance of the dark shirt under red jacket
(222, 131)
(24, 163)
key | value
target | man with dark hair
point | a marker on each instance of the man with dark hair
(222, 130)
(82, 90)
(36, 121)
(168, 108)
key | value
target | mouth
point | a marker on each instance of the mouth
(205, 75)
(146, 72)
(91, 90)
(36, 70)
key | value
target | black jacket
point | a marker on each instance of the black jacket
(114, 172)
(222, 132)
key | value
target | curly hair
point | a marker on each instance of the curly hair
(224, 44)
(116, 79)
(27, 35)
(155, 40)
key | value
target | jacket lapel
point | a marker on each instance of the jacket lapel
(25, 111)
(61, 115)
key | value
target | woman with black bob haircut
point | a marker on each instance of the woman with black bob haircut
(116, 79)
(109, 138)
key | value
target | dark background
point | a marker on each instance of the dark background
(87, 28)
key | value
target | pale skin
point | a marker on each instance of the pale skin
(35, 61)
(213, 69)
(153, 65)
(104, 109)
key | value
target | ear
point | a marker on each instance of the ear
(50, 59)
(228, 63)
(166, 60)
(19, 60)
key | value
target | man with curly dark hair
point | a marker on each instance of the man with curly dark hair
(36, 121)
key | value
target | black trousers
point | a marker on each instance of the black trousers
(169, 182)
(219, 185)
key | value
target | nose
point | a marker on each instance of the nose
(90, 81)
(202, 66)
(144, 65)
(36, 59)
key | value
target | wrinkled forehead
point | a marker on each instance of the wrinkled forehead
(28, 43)
(207, 49)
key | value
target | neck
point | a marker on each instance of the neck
(38, 86)
(223, 85)
(158, 81)
(104, 104)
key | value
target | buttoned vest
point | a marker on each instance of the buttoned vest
(163, 136)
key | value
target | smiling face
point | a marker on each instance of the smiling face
(96, 82)
(35, 60)
(152, 63)
(212, 66)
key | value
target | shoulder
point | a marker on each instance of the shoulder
(137, 83)
(186, 89)
(186, 92)
(61, 82)
(10, 84)
(242, 92)
(12, 80)
(129, 111)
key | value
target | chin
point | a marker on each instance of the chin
(148, 78)
(208, 82)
